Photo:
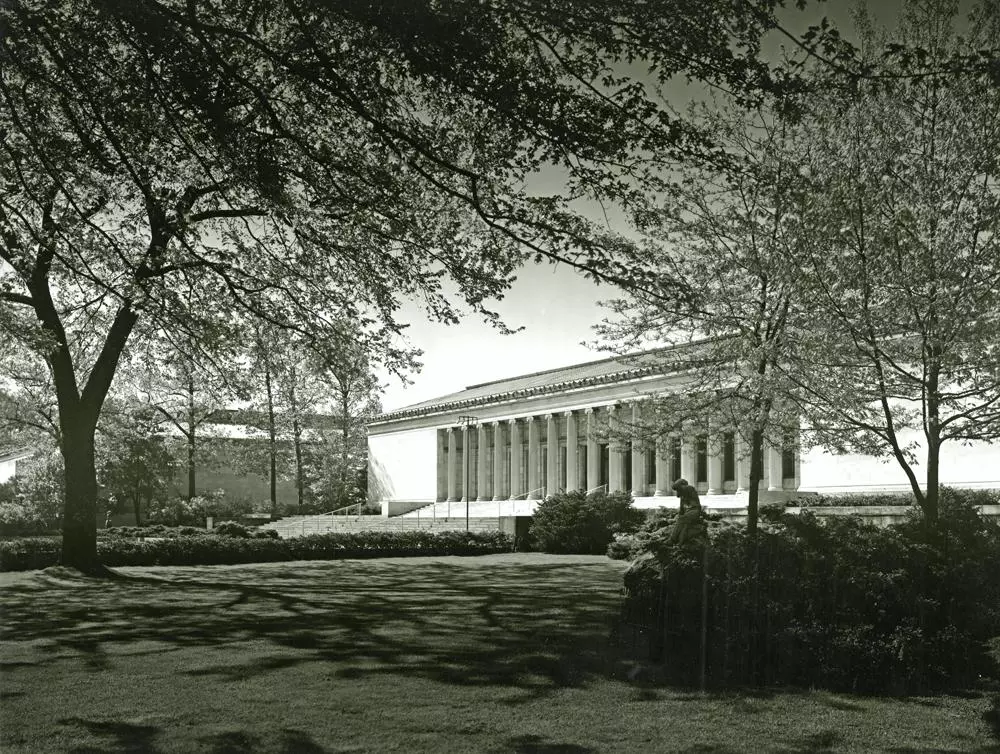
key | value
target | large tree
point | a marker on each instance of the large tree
(315, 161)
(903, 262)
(728, 228)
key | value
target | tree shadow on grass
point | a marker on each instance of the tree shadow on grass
(461, 621)
(124, 737)
(530, 744)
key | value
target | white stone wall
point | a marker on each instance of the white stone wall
(973, 466)
(402, 467)
(8, 469)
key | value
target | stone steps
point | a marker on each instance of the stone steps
(477, 509)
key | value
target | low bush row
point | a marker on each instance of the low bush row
(28, 554)
(834, 603)
(949, 496)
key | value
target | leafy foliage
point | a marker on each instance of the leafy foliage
(193, 512)
(901, 261)
(307, 164)
(574, 522)
(836, 604)
(32, 502)
(138, 466)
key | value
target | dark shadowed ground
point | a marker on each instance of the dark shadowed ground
(494, 654)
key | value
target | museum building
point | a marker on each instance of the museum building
(503, 445)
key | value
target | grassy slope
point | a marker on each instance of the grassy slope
(491, 654)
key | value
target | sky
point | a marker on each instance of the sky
(555, 306)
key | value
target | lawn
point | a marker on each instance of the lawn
(504, 653)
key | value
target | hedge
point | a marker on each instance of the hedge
(210, 549)
(575, 522)
(835, 604)
(947, 496)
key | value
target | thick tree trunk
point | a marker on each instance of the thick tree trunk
(137, 508)
(79, 528)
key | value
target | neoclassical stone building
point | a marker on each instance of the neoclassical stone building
(523, 438)
(519, 439)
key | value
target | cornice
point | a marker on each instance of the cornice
(625, 375)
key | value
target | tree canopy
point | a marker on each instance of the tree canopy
(172, 165)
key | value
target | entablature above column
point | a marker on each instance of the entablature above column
(509, 409)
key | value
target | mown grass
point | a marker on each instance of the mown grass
(504, 653)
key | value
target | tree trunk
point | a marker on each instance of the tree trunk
(272, 437)
(299, 475)
(191, 441)
(137, 508)
(79, 528)
(293, 405)
(345, 427)
(931, 499)
(932, 432)
(756, 473)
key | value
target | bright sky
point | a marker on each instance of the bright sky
(556, 307)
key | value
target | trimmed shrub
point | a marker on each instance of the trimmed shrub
(572, 522)
(948, 496)
(832, 603)
(28, 554)
(152, 530)
(231, 529)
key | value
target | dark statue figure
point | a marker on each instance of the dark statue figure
(689, 529)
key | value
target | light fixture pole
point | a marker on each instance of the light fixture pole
(468, 422)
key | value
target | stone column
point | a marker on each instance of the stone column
(742, 464)
(552, 453)
(689, 459)
(534, 448)
(483, 462)
(468, 470)
(798, 464)
(515, 460)
(713, 448)
(773, 457)
(638, 459)
(616, 454)
(453, 470)
(593, 451)
(572, 448)
(662, 466)
(499, 490)
(442, 465)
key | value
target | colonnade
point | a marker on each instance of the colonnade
(531, 457)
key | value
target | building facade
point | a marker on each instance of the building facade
(501, 446)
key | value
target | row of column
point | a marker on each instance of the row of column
(495, 468)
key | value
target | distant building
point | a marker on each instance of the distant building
(233, 456)
(9, 460)
(539, 433)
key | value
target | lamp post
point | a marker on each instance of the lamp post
(467, 422)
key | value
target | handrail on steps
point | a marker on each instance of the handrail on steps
(526, 494)
(345, 508)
